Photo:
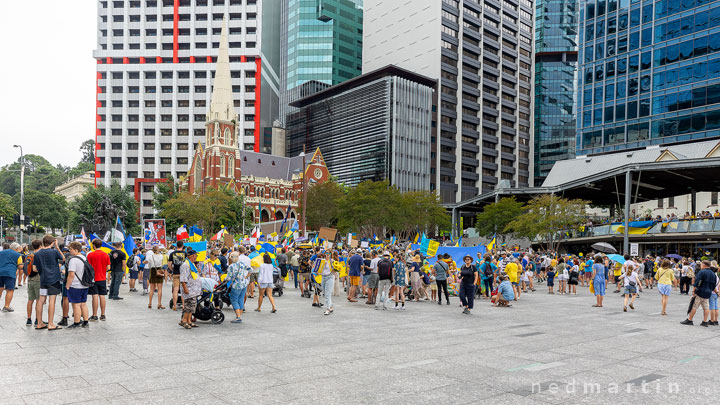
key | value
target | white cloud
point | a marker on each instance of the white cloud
(47, 78)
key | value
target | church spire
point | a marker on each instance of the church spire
(221, 104)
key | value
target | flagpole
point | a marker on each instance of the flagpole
(304, 196)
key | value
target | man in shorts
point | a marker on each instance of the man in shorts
(175, 260)
(100, 261)
(47, 263)
(134, 270)
(33, 282)
(10, 262)
(191, 289)
(355, 264)
(705, 284)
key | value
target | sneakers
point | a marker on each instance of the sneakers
(93, 318)
(713, 323)
(73, 326)
(29, 322)
(402, 308)
(686, 322)
(631, 306)
(64, 322)
(102, 317)
(236, 320)
(85, 324)
(466, 311)
(705, 324)
(328, 312)
(8, 309)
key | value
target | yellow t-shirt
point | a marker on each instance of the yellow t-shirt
(512, 271)
(618, 269)
(665, 276)
(553, 263)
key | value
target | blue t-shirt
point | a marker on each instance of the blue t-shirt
(8, 263)
(704, 283)
(600, 273)
(505, 289)
(48, 262)
(355, 264)
(141, 266)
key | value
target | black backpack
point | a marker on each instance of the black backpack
(385, 267)
(88, 276)
(487, 269)
(130, 262)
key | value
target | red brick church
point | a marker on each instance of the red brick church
(267, 181)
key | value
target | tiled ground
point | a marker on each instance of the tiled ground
(546, 349)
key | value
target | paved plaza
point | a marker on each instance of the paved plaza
(545, 349)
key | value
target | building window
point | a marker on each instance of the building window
(714, 198)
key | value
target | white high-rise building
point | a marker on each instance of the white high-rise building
(481, 54)
(155, 68)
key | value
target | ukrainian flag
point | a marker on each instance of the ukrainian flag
(635, 227)
(200, 248)
(417, 238)
(490, 246)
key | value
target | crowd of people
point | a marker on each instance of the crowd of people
(385, 278)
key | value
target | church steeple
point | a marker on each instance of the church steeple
(221, 104)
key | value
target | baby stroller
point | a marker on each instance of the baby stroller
(278, 283)
(221, 295)
(210, 303)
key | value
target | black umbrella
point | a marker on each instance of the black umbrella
(604, 247)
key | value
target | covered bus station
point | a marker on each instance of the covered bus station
(619, 180)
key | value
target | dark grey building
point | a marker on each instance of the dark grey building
(377, 126)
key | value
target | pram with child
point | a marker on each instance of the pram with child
(210, 303)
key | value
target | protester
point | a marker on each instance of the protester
(385, 277)
(10, 263)
(630, 282)
(117, 270)
(153, 260)
(191, 288)
(355, 263)
(487, 270)
(33, 282)
(133, 264)
(505, 292)
(238, 277)
(468, 280)
(100, 261)
(325, 269)
(511, 269)
(294, 266)
(176, 258)
(665, 277)
(47, 263)
(599, 280)
(373, 280)
(265, 282)
(77, 291)
(705, 284)
(143, 275)
(399, 280)
(440, 271)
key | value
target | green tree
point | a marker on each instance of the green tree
(88, 150)
(47, 210)
(323, 204)
(85, 208)
(7, 208)
(548, 217)
(370, 209)
(164, 192)
(495, 217)
(183, 208)
(236, 208)
(420, 210)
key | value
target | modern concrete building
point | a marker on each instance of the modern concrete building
(74, 188)
(378, 126)
(321, 42)
(649, 74)
(556, 47)
(155, 66)
(481, 54)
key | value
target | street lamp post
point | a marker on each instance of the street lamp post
(304, 193)
(22, 191)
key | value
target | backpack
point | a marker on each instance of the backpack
(178, 259)
(385, 267)
(487, 269)
(28, 263)
(130, 262)
(88, 276)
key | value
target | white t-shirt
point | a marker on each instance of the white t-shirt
(153, 260)
(266, 274)
(77, 266)
(373, 265)
(627, 279)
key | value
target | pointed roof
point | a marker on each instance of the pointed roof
(221, 104)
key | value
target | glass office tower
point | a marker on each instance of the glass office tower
(650, 73)
(556, 49)
(322, 41)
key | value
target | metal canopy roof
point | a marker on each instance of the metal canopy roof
(650, 181)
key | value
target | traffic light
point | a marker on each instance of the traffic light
(16, 219)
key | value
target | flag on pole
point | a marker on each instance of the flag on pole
(118, 233)
(195, 234)
(219, 235)
(182, 233)
(459, 241)
(287, 214)
(295, 226)
(84, 238)
(490, 246)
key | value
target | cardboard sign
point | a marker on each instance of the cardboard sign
(327, 245)
(354, 243)
(228, 241)
(364, 244)
(327, 233)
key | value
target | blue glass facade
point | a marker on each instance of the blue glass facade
(556, 50)
(650, 73)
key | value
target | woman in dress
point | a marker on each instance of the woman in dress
(399, 281)
(599, 279)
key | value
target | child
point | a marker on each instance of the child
(433, 288)
(525, 281)
(574, 275)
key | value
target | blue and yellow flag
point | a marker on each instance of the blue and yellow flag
(634, 228)
(490, 246)
(200, 248)
(195, 233)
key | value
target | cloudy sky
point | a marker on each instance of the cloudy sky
(47, 78)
